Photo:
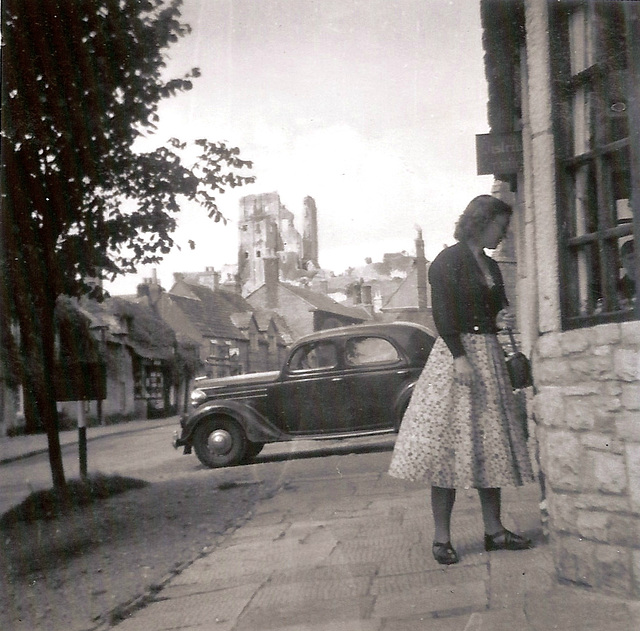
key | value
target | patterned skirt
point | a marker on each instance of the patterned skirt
(453, 435)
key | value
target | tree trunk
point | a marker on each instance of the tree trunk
(38, 376)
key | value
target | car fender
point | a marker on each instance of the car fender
(257, 428)
(402, 400)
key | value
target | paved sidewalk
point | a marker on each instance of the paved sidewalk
(24, 446)
(351, 551)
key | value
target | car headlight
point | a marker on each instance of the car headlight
(197, 397)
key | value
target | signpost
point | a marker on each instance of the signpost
(81, 381)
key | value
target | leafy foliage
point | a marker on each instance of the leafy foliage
(82, 80)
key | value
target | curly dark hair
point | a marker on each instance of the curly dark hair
(478, 214)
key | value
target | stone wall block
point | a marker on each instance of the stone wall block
(610, 472)
(633, 470)
(548, 346)
(576, 341)
(606, 334)
(612, 389)
(575, 560)
(630, 332)
(636, 572)
(614, 573)
(562, 511)
(630, 396)
(548, 407)
(627, 364)
(607, 404)
(628, 426)
(581, 413)
(592, 525)
(623, 530)
(605, 424)
(587, 367)
(602, 502)
(564, 460)
(554, 372)
(602, 442)
(584, 389)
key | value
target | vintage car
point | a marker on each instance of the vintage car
(337, 383)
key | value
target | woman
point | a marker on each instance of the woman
(461, 426)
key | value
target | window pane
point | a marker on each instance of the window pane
(585, 292)
(582, 121)
(370, 350)
(316, 355)
(619, 167)
(593, 117)
(626, 284)
(585, 215)
(580, 41)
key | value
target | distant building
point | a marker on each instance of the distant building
(231, 337)
(267, 230)
(411, 301)
(304, 310)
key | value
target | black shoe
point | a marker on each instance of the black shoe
(444, 553)
(506, 540)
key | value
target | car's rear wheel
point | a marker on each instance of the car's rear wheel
(219, 442)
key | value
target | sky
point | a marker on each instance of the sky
(371, 107)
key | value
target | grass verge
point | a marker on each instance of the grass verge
(51, 503)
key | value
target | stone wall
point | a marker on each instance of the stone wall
(587, 411)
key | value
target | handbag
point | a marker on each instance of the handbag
(518, 366)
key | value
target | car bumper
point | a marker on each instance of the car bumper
(181, 440)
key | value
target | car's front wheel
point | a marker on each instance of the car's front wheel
(219, 442)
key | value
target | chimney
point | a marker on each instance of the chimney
(367, 299)
(366, 295)
(421, 272)
(357, 292)
(271, 280)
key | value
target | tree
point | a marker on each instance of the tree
(81, 84)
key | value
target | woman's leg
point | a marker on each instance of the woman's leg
(491, 502)
(496, 537)
(442, 501)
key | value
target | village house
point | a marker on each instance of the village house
(223, 325)
(564, 114)
(304, 310)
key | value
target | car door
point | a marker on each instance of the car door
(312, 397)
(375, 373)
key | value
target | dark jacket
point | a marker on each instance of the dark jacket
(461, 299)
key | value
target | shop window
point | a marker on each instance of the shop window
(596, 144)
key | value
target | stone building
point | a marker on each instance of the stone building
(564, 113)
(266, 230)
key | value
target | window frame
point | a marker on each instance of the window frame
(596, 161)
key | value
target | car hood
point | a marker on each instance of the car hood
(237, 381)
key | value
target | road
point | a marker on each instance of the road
(148, 454)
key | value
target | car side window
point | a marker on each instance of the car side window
(313, 356)
(363, 351)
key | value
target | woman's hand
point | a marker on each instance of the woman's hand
(462, 370)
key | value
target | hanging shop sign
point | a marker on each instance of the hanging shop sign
(499, 154)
